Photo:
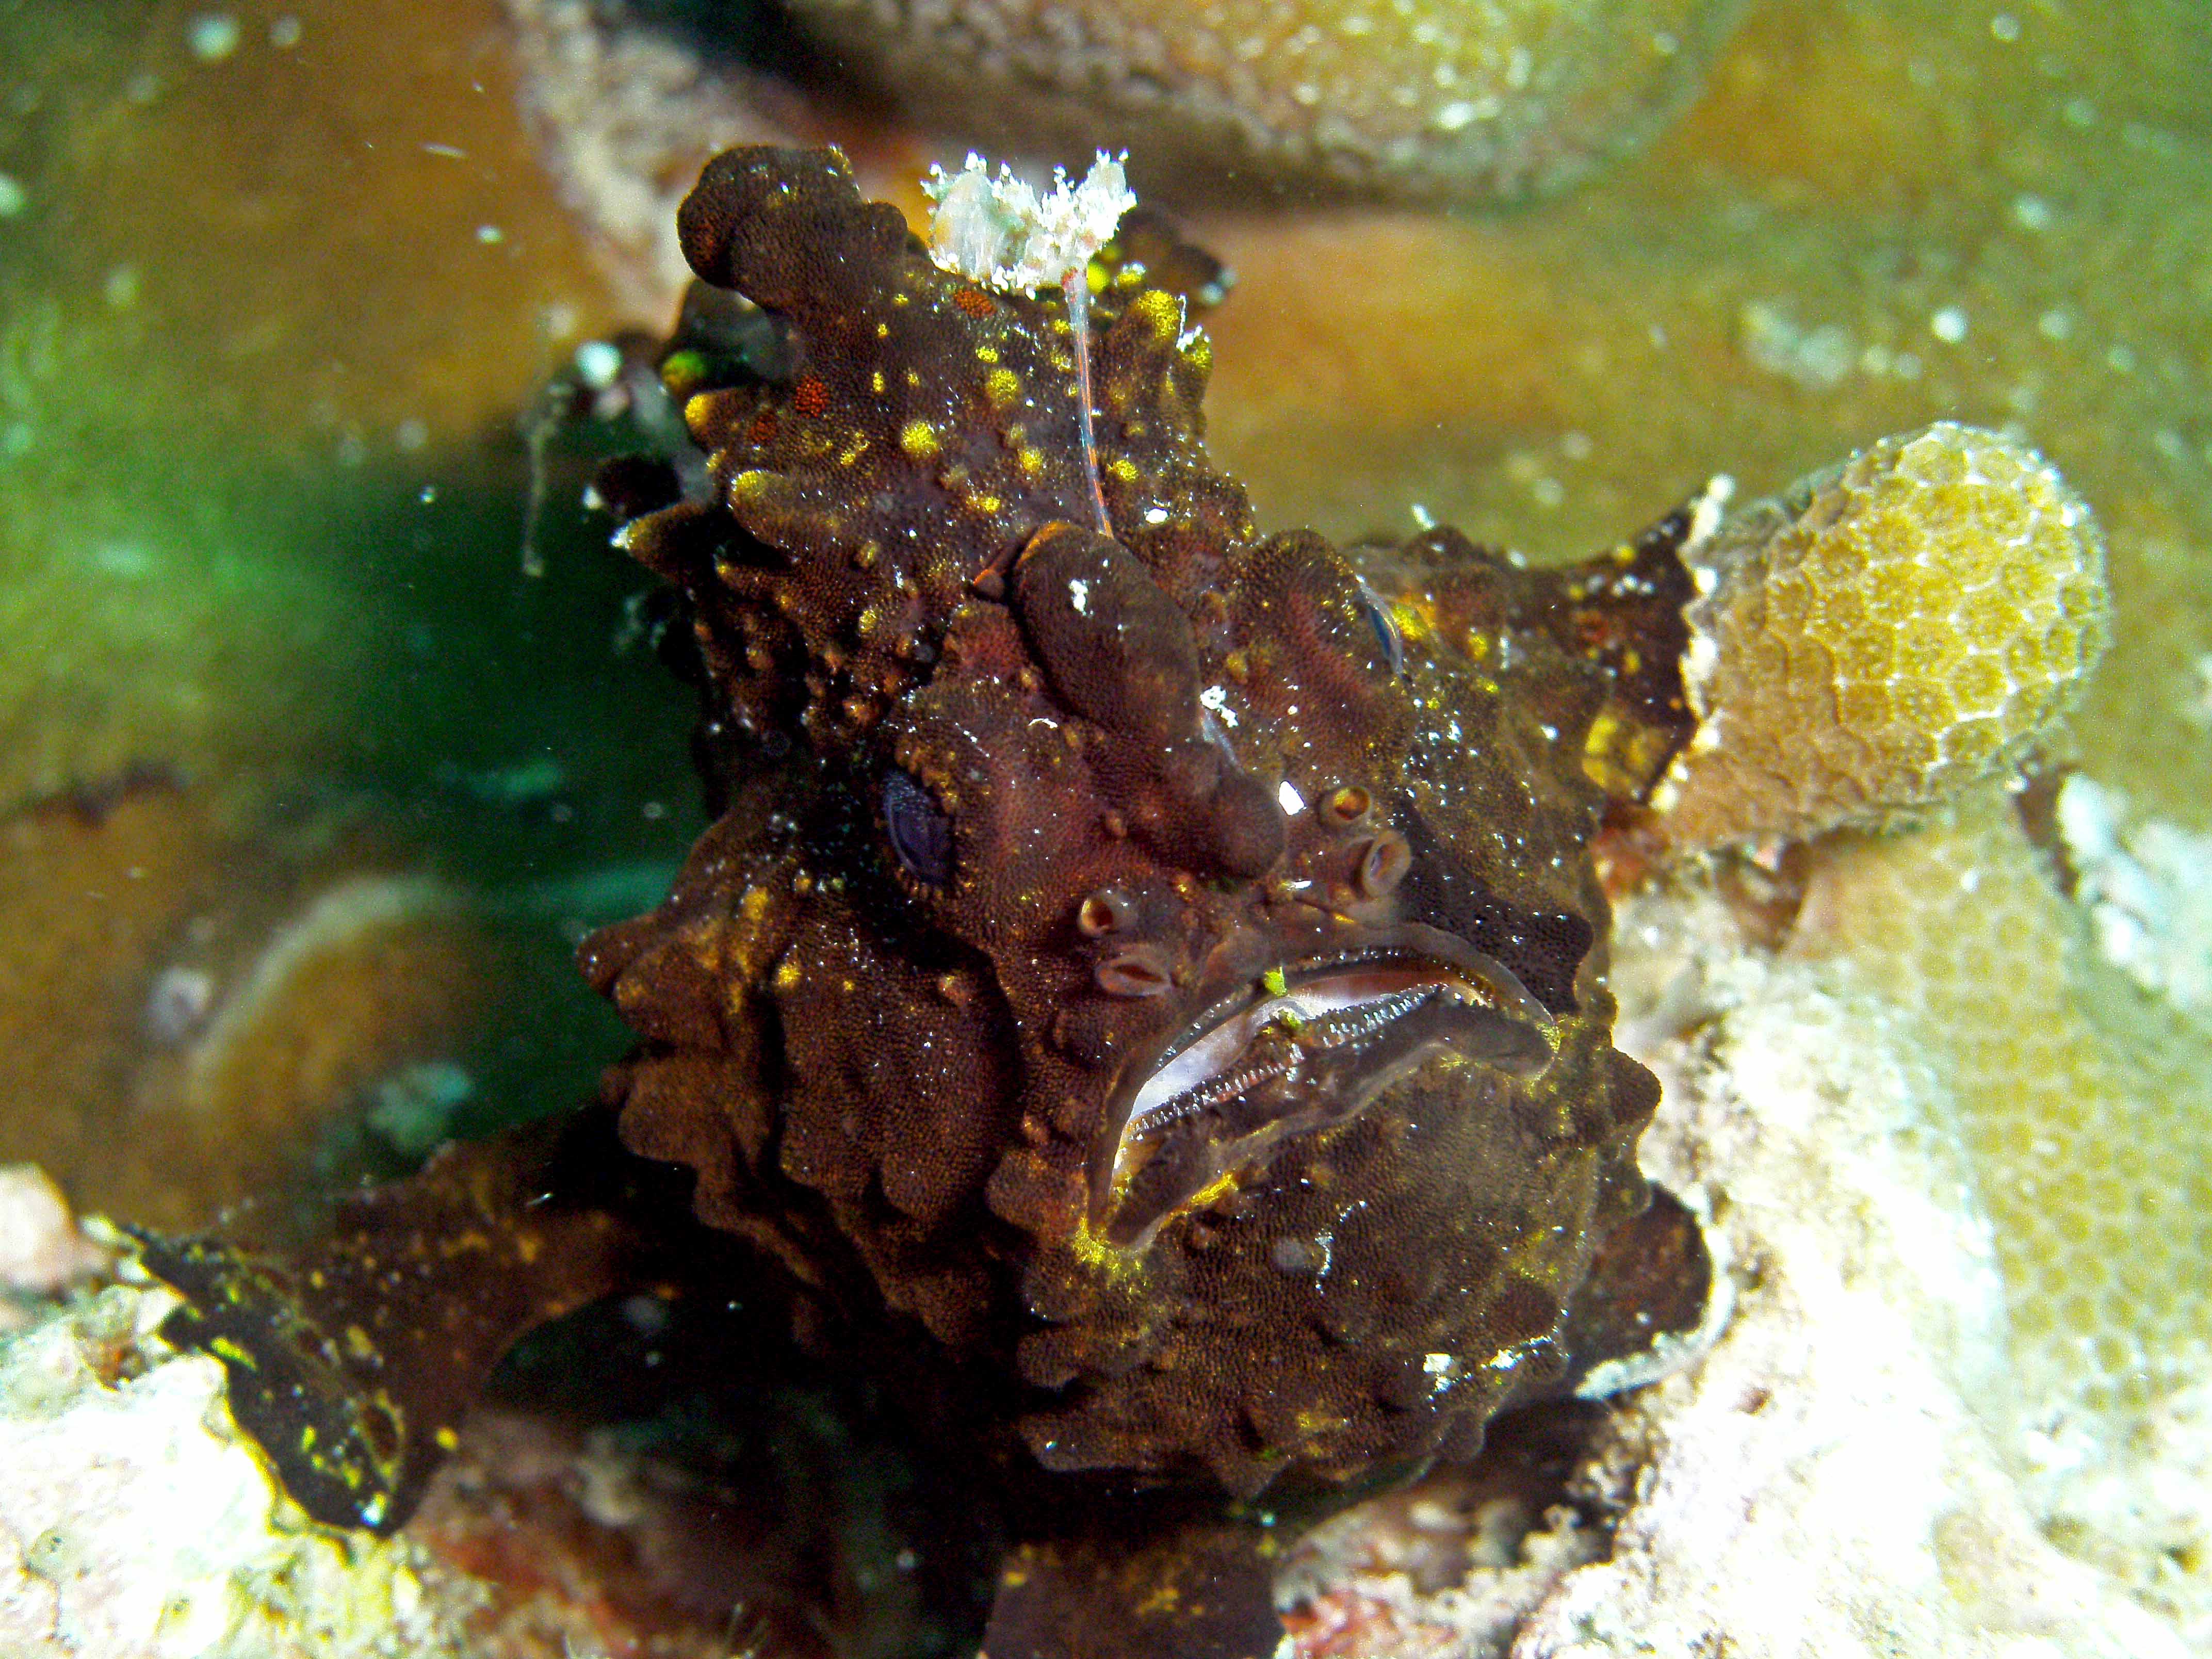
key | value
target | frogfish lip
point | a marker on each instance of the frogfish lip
(1297, 1050)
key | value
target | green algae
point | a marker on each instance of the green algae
(232, 558)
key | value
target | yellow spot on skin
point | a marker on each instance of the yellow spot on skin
(1002, 387)
(228, 1350)
(786, 977)
(1092, 1251)
(876, 380)
(919, 441)
(447, 1439)
(986, 354)
(1163, 1599)
(1162, 311)
(1213, 1192)
(1122, 469)
(1276, 984)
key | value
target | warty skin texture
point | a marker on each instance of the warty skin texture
(1014, 811)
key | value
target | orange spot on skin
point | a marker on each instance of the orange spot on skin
(811, 397)
(974, 301)
(762, 429)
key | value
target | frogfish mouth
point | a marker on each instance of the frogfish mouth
(1294, 1050)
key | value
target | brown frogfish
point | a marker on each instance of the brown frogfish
(1146, 983)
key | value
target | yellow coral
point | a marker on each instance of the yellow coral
(1888, 633)
(2087, 1107)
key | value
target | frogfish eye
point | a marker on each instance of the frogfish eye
(920, 835)
(1386, 630)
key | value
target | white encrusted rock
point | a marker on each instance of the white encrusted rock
(1834, 1478)
(136, 1523)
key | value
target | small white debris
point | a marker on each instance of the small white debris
(598, 364)
(2031, 212)
(413, 1109)
(12, 197)
(212, 36)
(178, 1004)
(1818, 359)
(1948, 325)
(1293, 803)
(490, 235)
(2148, 887)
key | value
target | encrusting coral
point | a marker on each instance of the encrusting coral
(1425, 98)
(2085, 1104)
(1880, 654)
(1888, 633)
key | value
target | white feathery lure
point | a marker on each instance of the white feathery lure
(996, 230)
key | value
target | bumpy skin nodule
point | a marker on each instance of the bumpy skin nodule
(1010, 804)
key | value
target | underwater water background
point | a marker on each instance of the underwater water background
(308, 789)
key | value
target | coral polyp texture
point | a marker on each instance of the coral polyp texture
(2085, 1107)
(1430, 98)
(1885, 634)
